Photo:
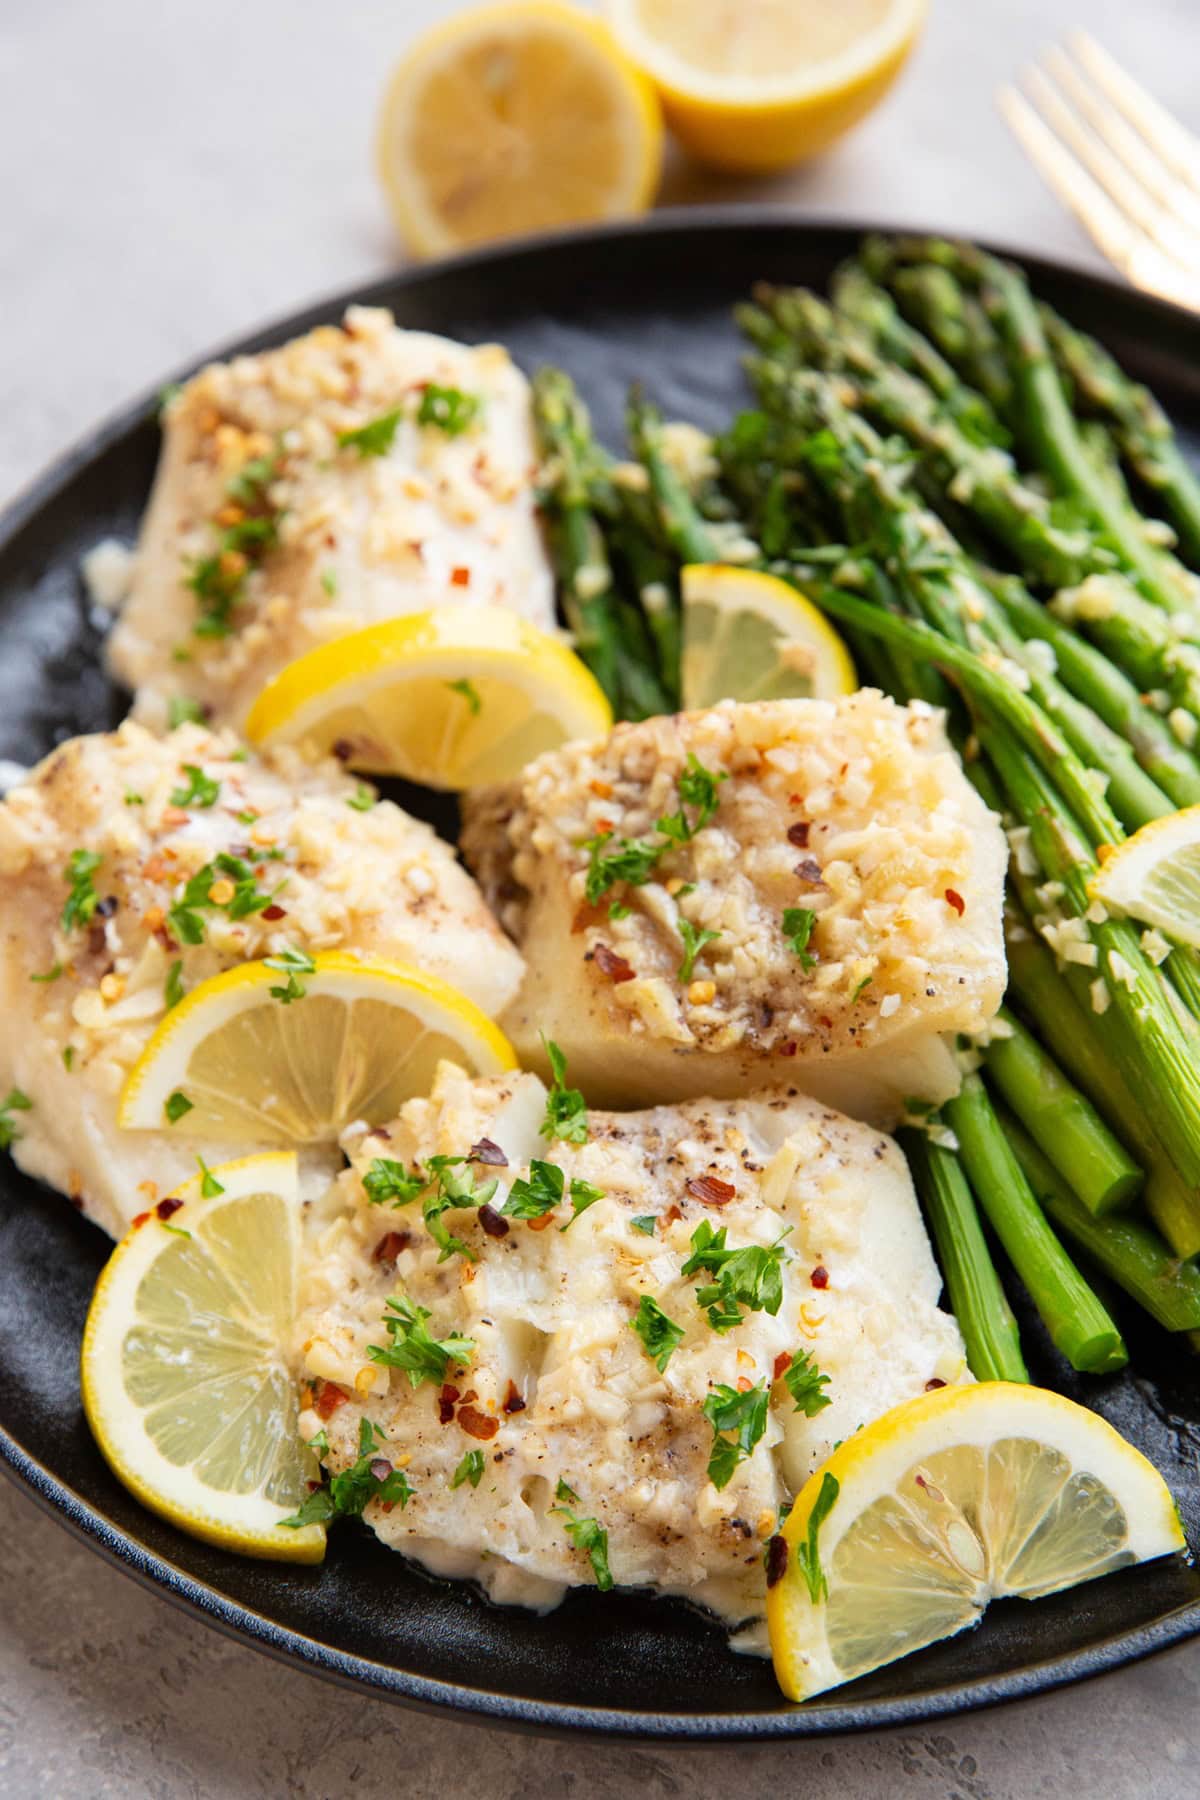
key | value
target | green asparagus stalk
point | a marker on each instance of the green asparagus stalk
(1079, 1325)
(1143, 432)
(1062, 1121)
(976, 1297)
(1124, 1247)
(956, 321)
(692, 540)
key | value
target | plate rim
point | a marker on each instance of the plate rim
(479, 1704)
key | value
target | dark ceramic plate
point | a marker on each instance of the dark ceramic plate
(652, 303)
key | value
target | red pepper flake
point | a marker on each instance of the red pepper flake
(513, 1402)
(328, 1397)
(543, 1223)
(809, 870)
(956, 901)
(934, 1382)
(343, 749)
(166, 1207)
(471, 1394)
(446, 1399)
(798, 833)
(140, 1218)
(788, 1048)
(586, 916)
(273, 912)
(672, 1213)
(783, 1363)
(615, 967)
(492, 1222)
(381, 1468)
(777, 1559)
(710, 1190)
(390, 1245)
(485, 1151)
(820, 1276)
(460, 577)
(477, 1424)
(744, 1384)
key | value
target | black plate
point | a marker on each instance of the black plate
(653, 303)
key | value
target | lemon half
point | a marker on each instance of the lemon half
(944, 1503)
(186, 1364)
(515, 118)
(454, 698)
(750, 636)
(234, 1062)
(759, 84)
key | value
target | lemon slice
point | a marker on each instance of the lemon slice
(235, 1062)
(764, 83)
(511, 119)
(186, 1366)
(749, 636)
(954, 1498)
(1155, 875)
(453, 698)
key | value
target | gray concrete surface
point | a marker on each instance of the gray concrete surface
(171, 174)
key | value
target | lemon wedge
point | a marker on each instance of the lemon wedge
(515, 118)
(186, 1365)
(236, 1062)
(765, 83)
(750, 636)
(946, 1502)
(1155, 875)
(453, 698)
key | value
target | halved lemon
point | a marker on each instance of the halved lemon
(946, 1502)
(1155, 875)
(186, 1365)
(759, 84)
(515, 118)
(454, 698)
(235, 1062)
(749, 636)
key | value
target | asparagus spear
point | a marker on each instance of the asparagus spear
(1126, 1248)
(692, 540)
(977, 1299)
(1063, 1123)
(1144, 434)
(1080, 1326)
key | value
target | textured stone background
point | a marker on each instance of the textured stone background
(173, 174)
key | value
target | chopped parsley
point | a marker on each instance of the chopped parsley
(469, 1469)
(219, 579)
(15, 1101)
(388, 1180)
(50, 975)
(635, 859)
(363, 798)
(201, 789)
(587, 1535)
(582, 1195)
(448, 408)
(539, 1195)
(646, 1223)
(860, 987)
(807, 1554)
(798, 922)
(210, 1187)
(186, 916)
(413, 1347)
(693, 943)
(329, 581)
(456, 1186)
(698, 788)
(183, 710)
(375, 438)
(173, 989)
(566, 1108)
(68, 1057)
(751, 1277)
(469, 693)
(372, 1477)
(175, 1105)
(292, 962)
(738, 1421)
(132, 799)
(804, 1382)
(618, 910)
(564, 1491)
(82, 900)
(660, 1335)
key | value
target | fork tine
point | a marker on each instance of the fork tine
(1174, 144)
(1128, 145)
(1106, 168)
(1144, 265)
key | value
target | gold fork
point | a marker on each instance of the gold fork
(1127, 169)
